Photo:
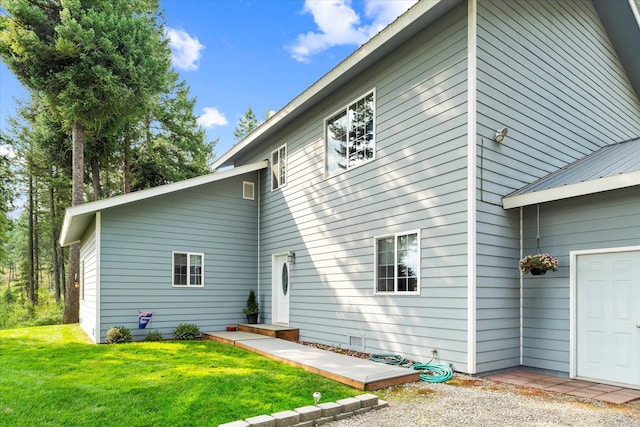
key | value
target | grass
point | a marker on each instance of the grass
(53, 375)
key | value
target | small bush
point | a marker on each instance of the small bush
(9, 297)
(186, 331)
(154, 336)
(118, 334)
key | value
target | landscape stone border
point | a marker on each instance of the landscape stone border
(314, 415)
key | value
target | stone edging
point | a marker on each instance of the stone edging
(314, 415)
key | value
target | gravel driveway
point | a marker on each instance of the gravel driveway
(469, 401)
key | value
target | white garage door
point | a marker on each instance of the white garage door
(608, 317)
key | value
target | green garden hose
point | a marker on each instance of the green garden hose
(428, 372)
(433, 373)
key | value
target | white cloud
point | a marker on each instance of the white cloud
(339, 24)
(186, 50)
(211, 117)
(7, 151)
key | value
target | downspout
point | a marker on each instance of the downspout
(471, 185)
(521, 288)
(259, 192)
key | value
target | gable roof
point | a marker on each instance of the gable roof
(620, 19)
(78, 218)
(611, 167)
(420, 15)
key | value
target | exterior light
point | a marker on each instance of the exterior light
(291, 257)
(501, 134)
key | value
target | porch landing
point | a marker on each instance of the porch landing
(358, 373)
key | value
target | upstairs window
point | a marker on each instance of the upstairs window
(398, 263)
(350, 136)
(188, 269)
(279, 167)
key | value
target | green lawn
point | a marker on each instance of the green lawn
(54, 376)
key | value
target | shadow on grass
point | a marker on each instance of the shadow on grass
(55, 376)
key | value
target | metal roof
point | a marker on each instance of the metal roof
(611, 167)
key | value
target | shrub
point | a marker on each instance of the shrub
(186, 331)
(9, 297)
(118, 334)
(154, 336)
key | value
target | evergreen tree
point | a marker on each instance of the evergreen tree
(95, 61)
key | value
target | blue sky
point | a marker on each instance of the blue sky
(236, 54)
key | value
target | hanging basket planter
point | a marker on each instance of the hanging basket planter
(538, 264)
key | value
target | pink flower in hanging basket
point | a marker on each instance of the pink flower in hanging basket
(540, 262)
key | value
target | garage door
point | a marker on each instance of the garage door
(608, 317)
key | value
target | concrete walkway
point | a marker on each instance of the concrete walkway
(591, 390)
(358, 373)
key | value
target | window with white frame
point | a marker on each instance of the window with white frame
(398, 263)
(279, 167)
(350, 136)
(188, 269)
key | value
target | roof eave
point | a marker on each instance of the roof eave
(77, 218)
(572, 190)
(621, 20)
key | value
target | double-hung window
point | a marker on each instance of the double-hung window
(398, 263)
(279, 167)
(350, 136)
(188, 269)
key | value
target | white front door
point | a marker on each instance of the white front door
(608, 317)
(281, 287)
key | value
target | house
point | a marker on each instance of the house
(381, 210)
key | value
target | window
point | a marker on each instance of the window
(397, 263)
(248, 191)
(188, 269)
(349, 136)
(279, 167)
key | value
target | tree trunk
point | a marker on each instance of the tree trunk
(30, 244)
(95, 178)
(54, 240)
(72, 294)
(126, 151)
(36, 252)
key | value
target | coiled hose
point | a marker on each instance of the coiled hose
(428, 372)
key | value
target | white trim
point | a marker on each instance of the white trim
(78, 218)
(345, 107)
(246, 185)
(280, 160)
(471, 185)
(188, 254)
(395, 277)
(98, 269)
(573, 266)
(615, 182)
(634, 9)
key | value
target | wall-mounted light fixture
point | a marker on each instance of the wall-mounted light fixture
(291, 257)
(501, 134)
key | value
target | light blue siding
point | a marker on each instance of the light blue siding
(137, 241)
(576, 224)
(89, 283)
(548, 72)
(416, 182)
